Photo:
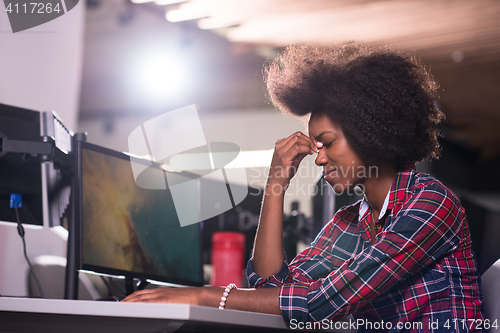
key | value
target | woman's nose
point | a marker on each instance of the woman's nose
(321, 158)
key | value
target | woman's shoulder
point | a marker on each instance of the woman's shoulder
(423, 182)
(425, 192)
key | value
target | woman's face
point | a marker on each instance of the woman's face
(342, 167)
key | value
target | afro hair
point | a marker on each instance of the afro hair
(384, 100)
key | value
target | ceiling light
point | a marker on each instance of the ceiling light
(190, 11)
(161, 74)
(211, 23)
(168, 2)
(178, 15)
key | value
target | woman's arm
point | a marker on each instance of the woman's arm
(268, 254)
(265, 300)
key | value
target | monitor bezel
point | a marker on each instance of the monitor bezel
(80, 145)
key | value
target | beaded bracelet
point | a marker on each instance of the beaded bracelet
(225, 294)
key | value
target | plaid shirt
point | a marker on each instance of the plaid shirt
(421, 267)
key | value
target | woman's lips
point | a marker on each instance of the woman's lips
(330, 173)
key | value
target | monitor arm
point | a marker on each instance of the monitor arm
(46, 150)
(27, 147)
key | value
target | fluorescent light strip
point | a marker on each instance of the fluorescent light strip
(168, 2)
(245, 159)
(178, 15)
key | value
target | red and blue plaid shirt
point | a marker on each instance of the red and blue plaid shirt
(421, 267)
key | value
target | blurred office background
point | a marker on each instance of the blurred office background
(109, 65)
(142, 59)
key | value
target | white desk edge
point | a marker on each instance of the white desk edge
(142, 310)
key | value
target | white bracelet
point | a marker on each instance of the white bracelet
(225, 294)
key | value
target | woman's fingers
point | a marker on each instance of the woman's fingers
(297, 145)
(165, 295)
(288, 154)
(297, 138)
(140, 295)
(294, 149)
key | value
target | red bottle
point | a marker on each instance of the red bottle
(228, 253)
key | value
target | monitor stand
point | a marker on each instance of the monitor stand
(129, 285)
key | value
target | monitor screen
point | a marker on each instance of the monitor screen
(128, 230)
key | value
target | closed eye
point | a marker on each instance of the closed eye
(328, 144)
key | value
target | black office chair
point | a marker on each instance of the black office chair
(491, 291)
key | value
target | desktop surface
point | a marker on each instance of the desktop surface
(49, 315)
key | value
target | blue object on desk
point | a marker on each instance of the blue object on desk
(15, 200)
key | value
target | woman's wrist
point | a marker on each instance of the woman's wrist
(275, 188)
(210, 296)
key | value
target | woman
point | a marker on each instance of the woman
(401, 257)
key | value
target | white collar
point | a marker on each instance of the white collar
(365, 205)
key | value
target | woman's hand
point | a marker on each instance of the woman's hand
(166, 295)
(288, 153)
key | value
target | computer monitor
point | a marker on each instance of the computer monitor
(20, 173)
(127, 230)
(30, 167)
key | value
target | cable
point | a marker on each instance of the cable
(20, 230)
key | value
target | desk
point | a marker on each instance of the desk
(52, 316)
